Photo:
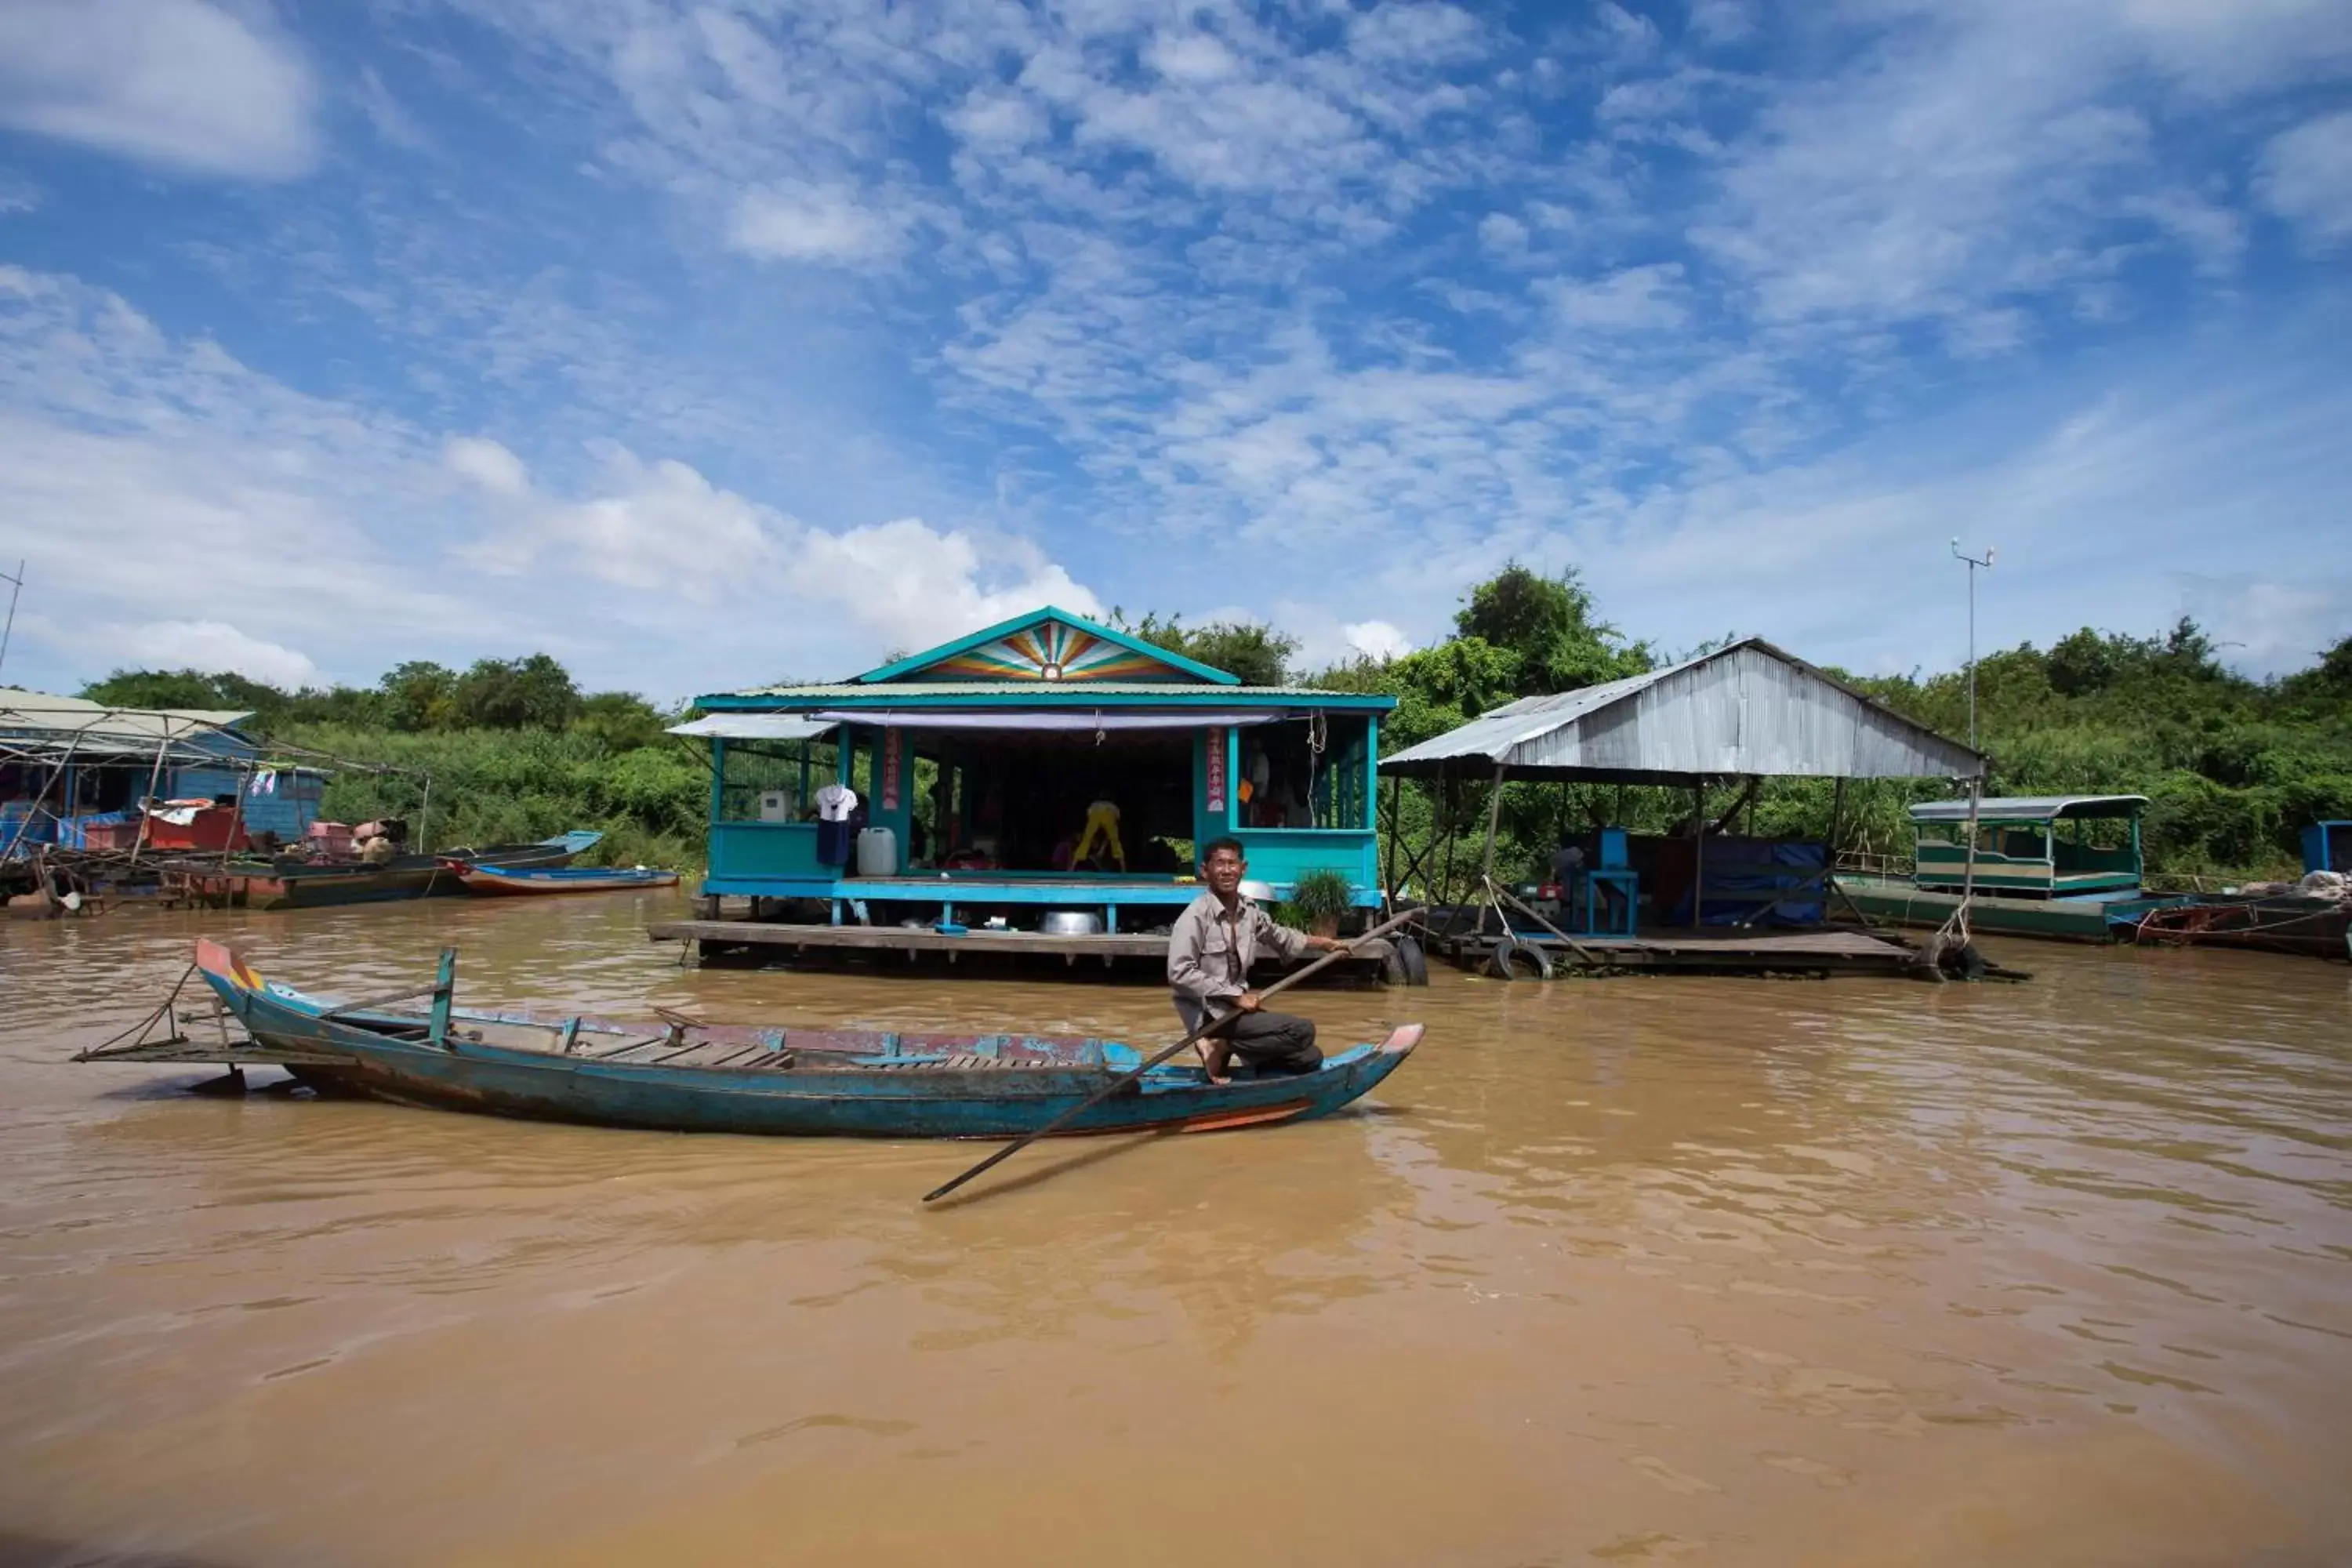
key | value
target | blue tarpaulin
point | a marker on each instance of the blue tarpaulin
(1783, 878)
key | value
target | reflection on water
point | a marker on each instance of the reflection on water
(1762, 1272)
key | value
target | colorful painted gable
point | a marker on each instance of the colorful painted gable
(1048, 646)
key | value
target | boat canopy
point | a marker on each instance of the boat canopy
(2030, 808)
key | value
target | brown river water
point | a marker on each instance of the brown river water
(1712, 1271)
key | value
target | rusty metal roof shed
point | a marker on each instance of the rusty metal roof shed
(1746, 709)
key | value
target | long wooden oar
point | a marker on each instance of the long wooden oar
(1136, 1072)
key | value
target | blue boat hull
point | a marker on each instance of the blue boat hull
(833, 1092)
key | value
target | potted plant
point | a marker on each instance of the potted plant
(1319, 898)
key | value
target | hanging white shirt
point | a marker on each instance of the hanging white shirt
(834, 803)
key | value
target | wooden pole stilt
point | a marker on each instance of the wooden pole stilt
(1486, 858)
(1699, 857)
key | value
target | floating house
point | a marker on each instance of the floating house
(76, 775)
(1048, 769)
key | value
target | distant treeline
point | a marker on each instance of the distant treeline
(515, 751)
(2234, 767)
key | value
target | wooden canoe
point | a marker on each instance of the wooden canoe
(684, 1077)
(525, 881)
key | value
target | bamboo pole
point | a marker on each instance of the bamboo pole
(236, 820)
(1486, 861)
(154, 776)
(1396, 827)
(1969, 867)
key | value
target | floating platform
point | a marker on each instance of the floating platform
(744, 940)
(1820, 953)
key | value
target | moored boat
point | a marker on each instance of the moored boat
(289, 882)
(512, 882)
(2315, 926)
(689, 1077)
(2064, 866)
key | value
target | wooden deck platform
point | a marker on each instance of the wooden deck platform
(1818, 951)
(767, 941)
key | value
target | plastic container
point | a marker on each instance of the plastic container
(877, 852)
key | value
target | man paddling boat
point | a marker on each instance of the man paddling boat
(1210, 951)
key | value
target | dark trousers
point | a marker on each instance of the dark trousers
(1274, 1042)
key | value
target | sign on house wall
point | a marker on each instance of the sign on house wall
(1215, 740)
(890, 752)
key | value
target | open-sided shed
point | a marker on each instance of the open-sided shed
(1746, 711)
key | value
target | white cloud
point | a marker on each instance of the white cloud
(488, 464)
(663, 526)
(799, 222)
(1723, 21)
(2214, 233)
(1635, 298)
(2306, 177)
(177, 83)
(1378, 639)
(1503, 233)
(389, 118)
(1191, 58)
(2272, 626)
(999, 122)
(210, 646)
(917, 587)
(659, 526)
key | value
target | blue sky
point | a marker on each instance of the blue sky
(700, 344)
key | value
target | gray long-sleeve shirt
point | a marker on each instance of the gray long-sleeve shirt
(1210, 954)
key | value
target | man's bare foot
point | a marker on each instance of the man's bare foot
(1214, 1056)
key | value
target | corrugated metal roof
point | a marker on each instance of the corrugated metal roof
(1745, 708)
(92, 729)
(2030, 807)
(755, 727)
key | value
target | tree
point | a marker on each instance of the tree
(2083, 662)
(1547, 625)
(535, 693)
(623, 721)
(1258, 654)
(2189, 652)
(220, 690)
(422, 696)
(156, 689)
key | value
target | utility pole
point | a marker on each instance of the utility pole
(1972, 562)
(16, 587)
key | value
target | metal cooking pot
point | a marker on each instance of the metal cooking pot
(1071, 922)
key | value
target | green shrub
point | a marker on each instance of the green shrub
(1319, 895)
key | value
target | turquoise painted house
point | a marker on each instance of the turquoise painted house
(988, 769)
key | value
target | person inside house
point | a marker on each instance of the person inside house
(1210, 951)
